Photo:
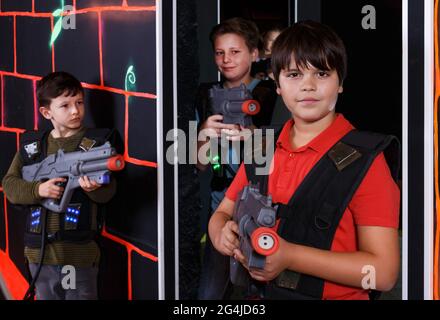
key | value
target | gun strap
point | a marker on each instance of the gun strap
(313, 213)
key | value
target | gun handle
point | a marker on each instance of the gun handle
(53, 205)
(237, 273)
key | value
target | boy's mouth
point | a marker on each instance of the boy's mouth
(308, 100)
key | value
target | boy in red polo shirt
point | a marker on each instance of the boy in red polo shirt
(309, 64)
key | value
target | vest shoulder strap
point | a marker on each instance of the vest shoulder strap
(101, 135)
(250, 168)
(33, 146)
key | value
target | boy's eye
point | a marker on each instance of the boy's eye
(80, 102)
(323, 74)
(218, 53)
(235, 51)
(292, 75)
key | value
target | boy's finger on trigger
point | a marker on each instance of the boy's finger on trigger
(234, 227)
(216, 117)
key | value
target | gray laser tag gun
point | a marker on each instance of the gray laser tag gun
(235, 104)
(255, 217)
(96, 164)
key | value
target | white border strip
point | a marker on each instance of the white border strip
(296, 11)
(159, 150)
(176, 166)
(218, 11)
(429, 150)
(405, 149)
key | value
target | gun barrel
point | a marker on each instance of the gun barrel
(116, 163)
(265, 241)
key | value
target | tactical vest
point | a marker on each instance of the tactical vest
(76, 223)
(314, 212)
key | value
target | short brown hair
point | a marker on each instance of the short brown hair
(55, 84)
(246, 29)
(309, 42)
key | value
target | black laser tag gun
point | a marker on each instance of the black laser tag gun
(235, 104)
(255, 217)
(96, 163)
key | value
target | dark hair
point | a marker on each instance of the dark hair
(55, 84)
(246, 29)
(309, 42)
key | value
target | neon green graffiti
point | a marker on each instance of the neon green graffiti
(58, 25)
(130, 79)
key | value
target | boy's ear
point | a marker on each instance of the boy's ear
(341, 89)
(45, 111)
(278, 91)
(254, 55)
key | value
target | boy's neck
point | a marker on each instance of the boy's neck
(303, 132)
(233, 84)
(64, 133)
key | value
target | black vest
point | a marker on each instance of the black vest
(312, 215)
(83, 231)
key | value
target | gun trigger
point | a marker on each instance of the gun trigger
(87, 144)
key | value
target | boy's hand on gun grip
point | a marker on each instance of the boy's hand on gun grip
(240, 133)
(275, 264)
(50, 189)
(238, 255)
(227, 240)
(88, 185)
(213, 125)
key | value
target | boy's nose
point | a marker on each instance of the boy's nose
(308, 84)
(226, 58)
(75, 109)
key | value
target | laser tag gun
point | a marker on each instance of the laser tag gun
(255, 217)
(235, 104)
(96, 164)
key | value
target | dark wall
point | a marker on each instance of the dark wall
(99, 51)
(265, 14)
(372, 97)
(206, 19)
(189, 198)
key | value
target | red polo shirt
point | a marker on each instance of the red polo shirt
(375, 203)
